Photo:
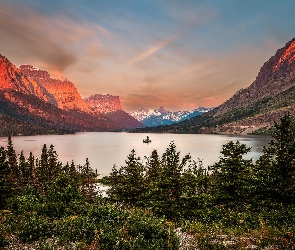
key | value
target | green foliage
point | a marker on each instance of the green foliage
(275, 169)
(231, 184)
(61, 202)
(127, 183)
(102, 226)
(237, 204)
(5, 185)
(164, 185)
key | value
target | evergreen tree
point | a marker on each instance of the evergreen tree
(127, 183)
(195, 179)
(275, 169)
(43, 169)
(23, 178)
(154, 167)
(5, 185)
(12, 158)
(169, 186)
(88, 181)
(32, 177)
(54, 166)
(231, 176)
(14, 172)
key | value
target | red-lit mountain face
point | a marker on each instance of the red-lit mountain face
(253, 109)
(37, 104)
(104, 103)
(275, 76)
(11, 78)
(63, 94)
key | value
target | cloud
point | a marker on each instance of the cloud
(149, 52)
(26, 39)
(54, 43)
(203, 80)
(187, 26)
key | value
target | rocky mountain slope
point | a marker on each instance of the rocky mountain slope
(63, 94)
(11, 78)
(252, 109)
(104, 103)
(161, 116)
(31, 102)
(111, 107)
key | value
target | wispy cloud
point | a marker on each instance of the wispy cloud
(154, 49)
(161, 44)
(54, 43)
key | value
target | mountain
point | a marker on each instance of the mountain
(255, 108)
(111, 107)
(161, 116)
(63, 94)
(36, 112)
(11, 78)
(31, 102)
(104, 103)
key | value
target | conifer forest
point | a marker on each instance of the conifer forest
(159, 202)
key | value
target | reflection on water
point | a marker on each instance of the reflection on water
(106, 149)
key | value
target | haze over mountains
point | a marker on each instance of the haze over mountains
(31, 102)
(253, 109)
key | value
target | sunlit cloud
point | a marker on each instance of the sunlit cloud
(52, 43)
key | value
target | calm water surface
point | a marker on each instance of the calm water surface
(106, 149)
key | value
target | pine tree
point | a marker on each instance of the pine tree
(231, 176)
(88, 182)
(195, 179)
(54, 166)
(275, 169)
(32, 177)
(153, 173)
(23, 178)
(127, 183)
(5, 185)
(170, 185)
(14, 172)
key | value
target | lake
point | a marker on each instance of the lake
(104, 149)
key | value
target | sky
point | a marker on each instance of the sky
(180, 54)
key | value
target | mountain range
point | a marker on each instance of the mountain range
(31, 102)
(161, 116)
(253, 109)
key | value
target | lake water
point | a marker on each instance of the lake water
(106, 149)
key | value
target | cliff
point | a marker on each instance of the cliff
(63, 94)
(104, 103)
(12, 78)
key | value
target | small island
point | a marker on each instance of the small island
(147, 140)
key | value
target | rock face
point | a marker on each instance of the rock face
(12, 78)
(111, 106)
(104, 103)
(275, 76)
(63, 94)
(31, 102)
(255, 108)
(161, 116)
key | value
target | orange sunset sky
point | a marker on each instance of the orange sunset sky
(177, 54)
